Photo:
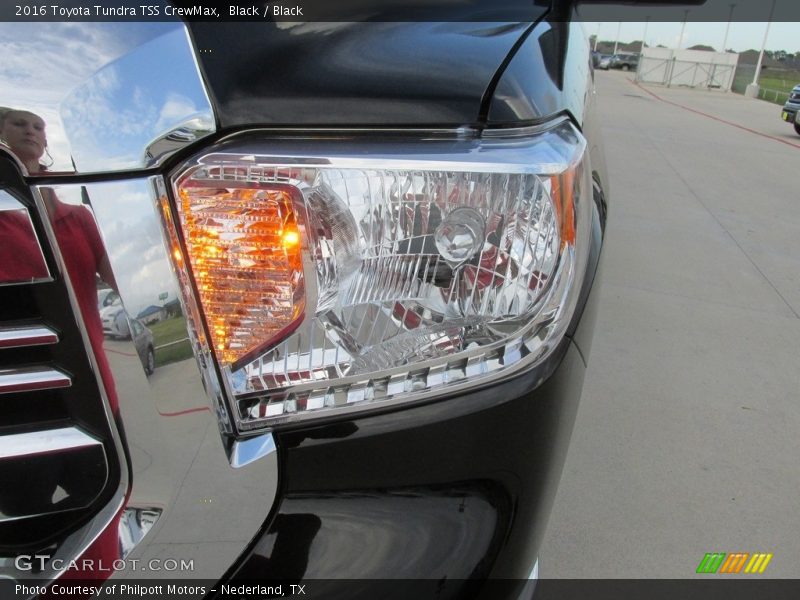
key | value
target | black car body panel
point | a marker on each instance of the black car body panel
(549, 74)
(453, 490)
(352, 74)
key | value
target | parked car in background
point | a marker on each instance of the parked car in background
(624, 62)
(792, 108)
(105, 297)
(143, 340)
(603, 62)
(114, 318)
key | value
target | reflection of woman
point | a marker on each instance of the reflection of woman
(78, 239)
(84, 258)
(20, 259)
(23, 132)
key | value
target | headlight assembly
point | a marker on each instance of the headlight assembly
(339, 275)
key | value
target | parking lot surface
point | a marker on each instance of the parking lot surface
(687, 440)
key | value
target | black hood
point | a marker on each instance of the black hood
(334, 74)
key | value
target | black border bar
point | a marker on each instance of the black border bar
(394, 10)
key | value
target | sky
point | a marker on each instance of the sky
(105, 93)
(69, 74)
(742, 36)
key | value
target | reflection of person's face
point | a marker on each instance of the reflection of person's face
(24, 134)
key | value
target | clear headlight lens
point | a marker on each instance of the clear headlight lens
(336, 283)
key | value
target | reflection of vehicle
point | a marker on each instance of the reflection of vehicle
(792, 108)
(625, 62)
(143, 340)
(113, 315)
(106, 297)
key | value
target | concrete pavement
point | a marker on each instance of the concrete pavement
(688, 436)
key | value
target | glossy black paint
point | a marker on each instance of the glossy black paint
(323, 74)
(397, 531)
(459, 488)
(549, 74)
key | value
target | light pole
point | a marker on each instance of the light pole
(644, 37)
(727, 29)
(752, 89)
(596, 37)
(616, 43)
(683, 28)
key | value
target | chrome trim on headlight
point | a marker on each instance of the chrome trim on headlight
(294, 159)
(246, 451)
(205, 360)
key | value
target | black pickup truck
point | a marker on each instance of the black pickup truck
(369, 252)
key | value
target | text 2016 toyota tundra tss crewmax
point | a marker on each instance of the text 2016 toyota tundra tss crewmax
(367, 253)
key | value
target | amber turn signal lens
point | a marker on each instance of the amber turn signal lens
(244, 245)
(290, 239)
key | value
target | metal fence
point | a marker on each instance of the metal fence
(689, 73)
(775, 85)
(775, 96)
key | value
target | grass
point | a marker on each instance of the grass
(774, 96)
(775, 87)
(781, 83)
(171, 354)
(166, 331)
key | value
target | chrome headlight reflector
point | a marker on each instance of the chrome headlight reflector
(326, 280)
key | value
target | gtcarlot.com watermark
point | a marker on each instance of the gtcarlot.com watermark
(38, 562)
